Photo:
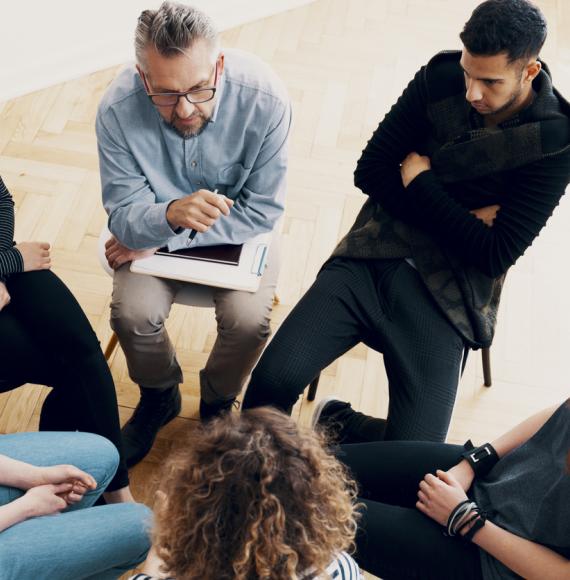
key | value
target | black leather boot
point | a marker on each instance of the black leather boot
(156, 408)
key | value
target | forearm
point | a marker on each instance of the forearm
(246, 220)
(532, 193)
(527, 559)
(522, 432)
(14, 473)
(141, 226)
(10, 258)
(13, 513)
(6, 218)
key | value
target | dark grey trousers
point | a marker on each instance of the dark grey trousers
(384, 304)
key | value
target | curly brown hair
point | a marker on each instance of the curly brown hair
(254, 496)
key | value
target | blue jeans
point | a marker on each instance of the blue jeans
(83, 542)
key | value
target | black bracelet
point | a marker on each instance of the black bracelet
(469, 521)
(448, 527)
(479, 523)
(481, 459)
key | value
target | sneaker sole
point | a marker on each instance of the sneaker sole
(319, 409)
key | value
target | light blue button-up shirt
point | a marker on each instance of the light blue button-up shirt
(145, 164)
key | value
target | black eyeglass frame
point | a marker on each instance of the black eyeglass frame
(186, 95)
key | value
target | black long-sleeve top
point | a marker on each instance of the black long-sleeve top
(10, 258)
(527, 195)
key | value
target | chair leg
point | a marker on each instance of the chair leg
(313, 388)
(486, 356)
(111, 346)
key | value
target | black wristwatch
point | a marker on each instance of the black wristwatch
(481, 459)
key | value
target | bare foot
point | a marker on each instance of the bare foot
(122, 495)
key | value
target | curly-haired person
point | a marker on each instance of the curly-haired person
(254, 497)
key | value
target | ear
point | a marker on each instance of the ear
(532, 70)
(221, 61)
(143, 78)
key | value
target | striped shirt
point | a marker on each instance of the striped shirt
(11, 260)
(341, 568)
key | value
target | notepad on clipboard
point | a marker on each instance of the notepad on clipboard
(243, 275)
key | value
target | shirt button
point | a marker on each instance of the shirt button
(193, 164)
(199, 183)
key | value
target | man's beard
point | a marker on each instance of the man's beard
(189, 132)
(508, 105)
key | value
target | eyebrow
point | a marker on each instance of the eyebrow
(199, 85)
(482, 78)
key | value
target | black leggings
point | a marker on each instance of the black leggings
(395, 540)
(45, 338)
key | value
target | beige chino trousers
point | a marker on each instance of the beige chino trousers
(141, 304)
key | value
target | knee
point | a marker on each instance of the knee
(251, 325)
(270, 385)
(101, 457)
(134, 317)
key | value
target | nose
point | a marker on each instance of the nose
(474, 92)
(184, 108)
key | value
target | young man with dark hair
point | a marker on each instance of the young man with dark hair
(462, 174)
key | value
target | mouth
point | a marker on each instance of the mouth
(189, 120)
(479, 106)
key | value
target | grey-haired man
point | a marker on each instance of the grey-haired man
(191, 139)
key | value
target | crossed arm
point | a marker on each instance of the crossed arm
(440, 493)
(393, 173)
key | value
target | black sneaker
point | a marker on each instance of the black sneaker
(211, 410)
(343, 424)
(156, 408)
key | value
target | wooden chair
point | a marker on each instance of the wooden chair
(485, 356)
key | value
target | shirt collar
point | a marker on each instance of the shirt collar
(219, 97)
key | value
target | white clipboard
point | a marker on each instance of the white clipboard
(245, 276)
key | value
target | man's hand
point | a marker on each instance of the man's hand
(4, 295)
(198, 211)
(486, 214)
(412, 166)
(117, 254)
(438, 496)
(35, 255)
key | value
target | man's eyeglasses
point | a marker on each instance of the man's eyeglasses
(195, 96)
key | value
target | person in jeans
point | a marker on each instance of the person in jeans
(516, 522)
(45, 338)
(461, 176)
(193, 152)
(254, 496)
(48, 525)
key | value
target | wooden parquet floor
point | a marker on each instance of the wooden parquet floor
(344, 62)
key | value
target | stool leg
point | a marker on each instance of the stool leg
(486, 356)
(313, 388)
(113, 341)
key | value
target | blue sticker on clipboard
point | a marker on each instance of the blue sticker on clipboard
(260, 259)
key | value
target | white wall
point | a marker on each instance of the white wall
(47, 42)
